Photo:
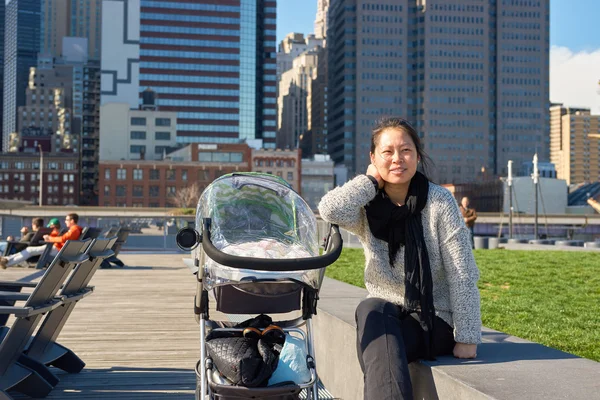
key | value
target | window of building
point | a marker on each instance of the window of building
(162, 122)
(121, 174)
(153, 204)
(171, 191)
(162, 135)
(236, 157)
(107, 174)
(138, 121)
(121, 190)
(220, 157)
(52, 165)
(137, 135)
(138, 174)
(154, 174)
(205, 174)
(184, 174)
(204, 156)
(137, 149)
(154, 191)
(170, 174)
(138, 191)
(160, 150)
(107, 190)
(66, 178)
(290, 176)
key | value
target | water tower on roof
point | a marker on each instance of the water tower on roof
(149, 97)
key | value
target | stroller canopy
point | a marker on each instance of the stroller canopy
(259, 216)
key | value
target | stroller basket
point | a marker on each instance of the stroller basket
(258, 298)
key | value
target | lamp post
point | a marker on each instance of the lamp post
(536, 180)
(510, 206)
(41, 173)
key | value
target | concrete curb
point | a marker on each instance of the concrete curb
(507, 367)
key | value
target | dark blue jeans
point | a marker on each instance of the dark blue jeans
(388, 339)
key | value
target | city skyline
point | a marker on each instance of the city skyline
(574, 52)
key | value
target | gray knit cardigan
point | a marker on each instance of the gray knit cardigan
(453, 268)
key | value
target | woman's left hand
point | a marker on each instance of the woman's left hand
(464, 350)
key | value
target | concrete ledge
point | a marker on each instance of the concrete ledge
(547, 247)
(506, 368)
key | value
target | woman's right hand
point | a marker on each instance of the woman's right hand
(374, 172)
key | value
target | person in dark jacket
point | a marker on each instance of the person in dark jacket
(36, 224)
(470, 216)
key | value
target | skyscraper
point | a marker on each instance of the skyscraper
(2, 15)
(471, 77)
(291, 47)
(294, 100)
(22, 41)
(213, 62)
(321, 19)
(80, 18)
(575, 144)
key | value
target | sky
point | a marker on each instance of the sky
(574, 41)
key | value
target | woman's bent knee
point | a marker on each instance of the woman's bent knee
(374, 309)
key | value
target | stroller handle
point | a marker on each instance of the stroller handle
(333, 250)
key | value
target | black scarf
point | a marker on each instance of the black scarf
(402, 225)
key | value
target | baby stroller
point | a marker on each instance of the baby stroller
(259, 254)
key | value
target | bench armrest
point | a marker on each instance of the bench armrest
(24, 312)
(7, 284)
(14, 296)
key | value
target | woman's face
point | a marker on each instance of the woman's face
(395, 156)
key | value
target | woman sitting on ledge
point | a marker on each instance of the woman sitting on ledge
(420, 271)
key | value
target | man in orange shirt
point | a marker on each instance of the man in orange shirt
(73, 233)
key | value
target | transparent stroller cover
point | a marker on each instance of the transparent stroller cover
(260, 216)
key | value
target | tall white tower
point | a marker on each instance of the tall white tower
(321, 19)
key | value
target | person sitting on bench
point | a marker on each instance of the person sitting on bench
(72, 234)
(36, 224)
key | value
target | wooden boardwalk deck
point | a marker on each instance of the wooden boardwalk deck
(136, 333)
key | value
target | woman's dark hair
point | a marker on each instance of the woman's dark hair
(404, 125)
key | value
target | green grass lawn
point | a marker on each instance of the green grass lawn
(548, 297)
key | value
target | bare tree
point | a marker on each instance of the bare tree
(186, 197)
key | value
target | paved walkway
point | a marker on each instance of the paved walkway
(137, 332)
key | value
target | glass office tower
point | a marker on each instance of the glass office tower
(214, 63)
(472, 77)
(22, 44)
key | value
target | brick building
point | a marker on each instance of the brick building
(147, 183)
(283, 163)
(20, 178)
